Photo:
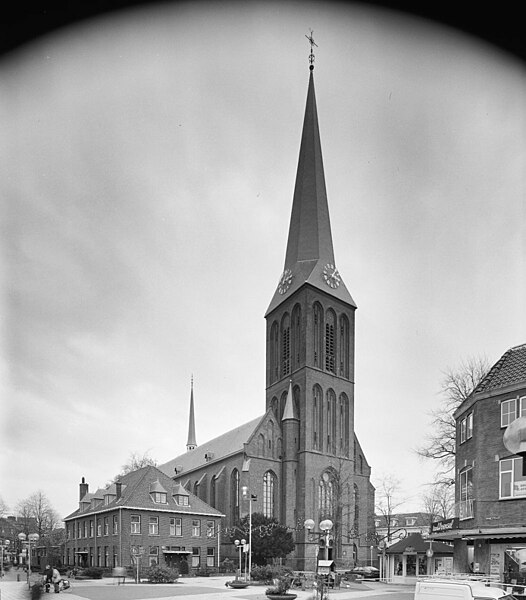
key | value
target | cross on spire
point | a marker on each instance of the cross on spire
(312, 44)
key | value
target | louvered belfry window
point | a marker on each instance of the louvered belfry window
(330, 358)
(285, 346)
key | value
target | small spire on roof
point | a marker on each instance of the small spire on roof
(312, 44)
(191, 444)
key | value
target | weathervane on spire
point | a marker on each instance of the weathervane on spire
(312, 44)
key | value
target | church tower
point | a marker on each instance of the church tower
(310, 358)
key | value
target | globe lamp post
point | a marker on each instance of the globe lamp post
(324, 533)
(32, 537)
(239, 546)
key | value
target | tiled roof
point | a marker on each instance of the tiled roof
(510, 369)
(136, 494)
(416, 541)
(229, 443)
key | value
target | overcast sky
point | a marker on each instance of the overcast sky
(148, 168)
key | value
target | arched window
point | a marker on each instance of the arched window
(330, 341)
(356, 502)
(318, 335)
(317, 418)
(296, 336)
(269, 490)
(274, 352)
(234, 496)
(326, 496)
(296, 394)
(343, 347)
(270, 433)
(285, 345)
(261, 445)
(213, 491)
(275, 407)
(344, 425)
(331, 422)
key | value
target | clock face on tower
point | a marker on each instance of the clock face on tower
(285, 281)
(331, 276)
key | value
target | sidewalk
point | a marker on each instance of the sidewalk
(206, 588)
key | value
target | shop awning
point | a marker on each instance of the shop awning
(177, 552)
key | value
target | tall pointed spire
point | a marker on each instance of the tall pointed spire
(191, 443)
(310, 255)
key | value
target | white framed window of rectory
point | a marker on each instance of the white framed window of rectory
(522, 406)
(508, 412)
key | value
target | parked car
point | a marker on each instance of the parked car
(365, 572)
(438, 589)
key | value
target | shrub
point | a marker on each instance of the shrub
(158, 574)
(227, 566)
(282, 585)
(92, 573)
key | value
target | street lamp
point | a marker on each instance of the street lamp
(252, 498)
(240, 545)
(32, 537)
(325, 528)
(3, 544)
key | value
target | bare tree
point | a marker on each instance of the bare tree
(37, 515)
(457, 385)
(388, 499)
(135, 461)
(4, 508)
(439, 502)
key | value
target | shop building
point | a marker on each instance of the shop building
(489, 530)
(414, 557)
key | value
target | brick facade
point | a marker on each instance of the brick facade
(142, 516)
(490, 497)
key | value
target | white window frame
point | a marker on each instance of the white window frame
(522, 406)
(463, 424)
(176, 526)
(196, 528)
(513, 465)
(196, 557)
(135, 524)
(153, 525)
(469, 426)
(159, 497)
(210, 557)
(505, 419)
(466, 504)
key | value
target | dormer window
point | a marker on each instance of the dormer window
(159, 497)
(410, 521)
(181, 500)
(158, 494)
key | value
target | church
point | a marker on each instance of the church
(301, 459)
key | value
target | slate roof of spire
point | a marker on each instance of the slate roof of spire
(309, 245)
(510, 369)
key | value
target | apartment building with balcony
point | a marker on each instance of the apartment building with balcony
(489, 529)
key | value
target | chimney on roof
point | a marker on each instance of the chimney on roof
(118, 488)
(83, 488)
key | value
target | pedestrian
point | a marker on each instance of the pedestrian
(48, 574)
(56, 580)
